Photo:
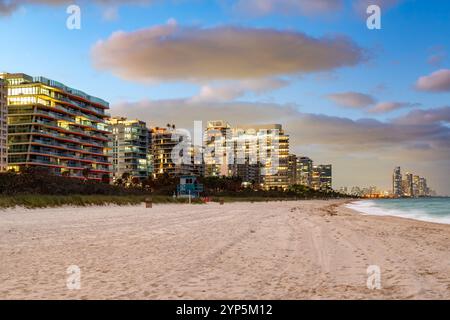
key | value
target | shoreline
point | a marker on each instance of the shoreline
(309, 249)
(385, 212)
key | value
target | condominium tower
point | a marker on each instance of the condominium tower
(397, 189)
(322, 177)
(266, 146)
(3, 128)
(56, 128)
(130, 146)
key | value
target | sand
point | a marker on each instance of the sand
(278, 250)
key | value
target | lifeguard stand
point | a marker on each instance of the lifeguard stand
(189, 186)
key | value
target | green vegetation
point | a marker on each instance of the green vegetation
(49, 201)
(35, 188)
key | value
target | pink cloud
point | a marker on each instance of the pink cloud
(438, 81)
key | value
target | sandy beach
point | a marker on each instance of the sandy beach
(277, 250)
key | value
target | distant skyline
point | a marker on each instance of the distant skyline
(364, 100)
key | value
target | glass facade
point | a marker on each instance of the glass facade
(130, 149)
(3, 128)
(57, 128)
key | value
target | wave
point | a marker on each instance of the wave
(370, 207)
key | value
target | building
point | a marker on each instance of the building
(167, 142)
(267, 147)
(408, 189)
(56, 128)
(130, 148)
(423, 188)
(397, 190)
(292, 168)
(304, 171)
(217, 134)
(3, 128)
(322, 177)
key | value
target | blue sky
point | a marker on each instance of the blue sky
(35, 41)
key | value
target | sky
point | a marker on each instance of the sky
(364, 100)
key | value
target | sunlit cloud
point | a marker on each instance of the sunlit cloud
(351, 99)
(438, 81)
(385, 107)
(175, 53)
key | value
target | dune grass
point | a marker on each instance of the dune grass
(49, 201)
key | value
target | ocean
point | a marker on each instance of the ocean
(424, 209)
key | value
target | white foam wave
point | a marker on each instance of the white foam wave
(369, 207)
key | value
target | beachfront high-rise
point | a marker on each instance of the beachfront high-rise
(304, 171)
(3, 127)
(56, 128)
(165, 143)
(322, 177)
(397, 190)
(130, 146)
(271, 152)
(215, 140)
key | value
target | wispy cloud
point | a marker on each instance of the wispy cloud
(287, 7)
(9, 6)
(231, 90)
(385, 107)
(175, 53)
(352, 99)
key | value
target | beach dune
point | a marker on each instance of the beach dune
(274, 250)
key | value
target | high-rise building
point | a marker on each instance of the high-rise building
(292, 168)
(416, 185)
(304, 171)
(397, 190)
(322, 177)
(408, 189)
(217, 135)
(167, 142)
(56, 128)
(269, 149)
(3, 128)
(131, 141)
(423, 188)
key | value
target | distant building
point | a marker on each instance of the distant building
(3, 127)
(304, 171)
(130, 149)
(408, 189)
(397, 189)
(56, 128)
(322, 177)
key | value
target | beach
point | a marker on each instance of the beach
(275, 250)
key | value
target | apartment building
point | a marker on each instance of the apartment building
(57, 128)
(3, 128)
(167, 142)
(130, 148)
(322, 177)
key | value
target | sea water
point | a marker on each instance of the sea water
(425, 209)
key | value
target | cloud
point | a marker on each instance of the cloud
(385, 107)
(231, 90)
(287, 7)
(426, 117)
(438, 81)
(174, 53)
(9, 6)
(352, 99)
(437, 56)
